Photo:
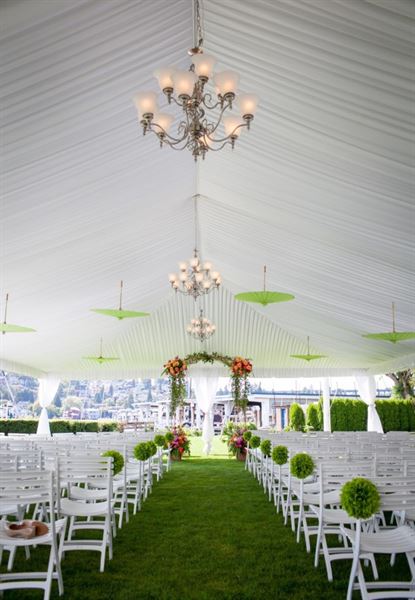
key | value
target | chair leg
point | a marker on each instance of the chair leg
(326, 555)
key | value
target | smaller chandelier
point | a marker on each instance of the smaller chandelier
(201, 328)
(195, 278)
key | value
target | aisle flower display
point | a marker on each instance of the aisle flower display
(240, 370)
(178, 442)
(237, 437)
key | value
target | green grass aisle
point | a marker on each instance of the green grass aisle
(207, 532)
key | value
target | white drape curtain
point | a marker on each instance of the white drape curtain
(326, 405)
(46, 394)
(366, 386)
(205, 390)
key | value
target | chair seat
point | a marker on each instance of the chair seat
(391, 541)
(75, 508)
(6, 540)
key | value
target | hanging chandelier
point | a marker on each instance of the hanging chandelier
(196, 277)
(201, 328)
(203, 116)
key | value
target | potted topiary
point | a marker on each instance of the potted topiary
(301, 467)
(280, 457)
(141, 451)
(160, 440)
(266, 448)
(255, 441)
(117, 460)
(360, 498)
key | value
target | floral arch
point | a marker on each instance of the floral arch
(240, 370)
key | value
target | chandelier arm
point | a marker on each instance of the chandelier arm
(219, 121)
(208, 96)
(173, 145)
(229, 137)
(225, 143)
(167, 138)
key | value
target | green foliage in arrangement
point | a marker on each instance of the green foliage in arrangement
(57, 426)
(297, 418)
(266, 447)
(360, 498)
(247, 436)
(301, 465)
(118, 460)
(255, 441)
(280, 455)
(152, 448)
(141, 451)
(160, 440)
(348, 415)
(313, 417)
(396, 415)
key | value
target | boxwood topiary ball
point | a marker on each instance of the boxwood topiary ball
(247, 436)
(255, 441)
(141, 451)
(360, 498)
(301, 465)
(160, 440)
(117, 462)
(169, 437)
(152, 448)
(280, 455)
(266, 448)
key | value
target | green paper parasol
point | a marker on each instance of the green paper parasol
(119, 313)
(264, 297)
(9, 327)
(391, 336)
(101, 359)
(308, 356)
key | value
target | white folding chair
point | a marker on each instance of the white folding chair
(24, 489)
(89, 502)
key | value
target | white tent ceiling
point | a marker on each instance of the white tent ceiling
(320, 190)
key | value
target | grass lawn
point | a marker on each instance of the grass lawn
(207, 532)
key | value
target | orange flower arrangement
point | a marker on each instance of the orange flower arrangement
(175, 366)
(241, 366)
(176, 369)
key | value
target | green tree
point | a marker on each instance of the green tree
(404, 383)
(297, 418)
(313, 417)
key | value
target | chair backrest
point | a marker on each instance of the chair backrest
(24, 488)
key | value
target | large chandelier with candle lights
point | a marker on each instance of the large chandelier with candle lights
(208, 120)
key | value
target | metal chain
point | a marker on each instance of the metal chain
(198, 25)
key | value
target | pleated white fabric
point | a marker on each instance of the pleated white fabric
(205, 390)
(366, 386)
(320, 189)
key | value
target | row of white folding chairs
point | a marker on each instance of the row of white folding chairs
(397, 493)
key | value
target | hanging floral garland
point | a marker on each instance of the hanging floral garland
(240, 370)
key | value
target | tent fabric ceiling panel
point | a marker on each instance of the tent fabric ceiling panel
(320, 190)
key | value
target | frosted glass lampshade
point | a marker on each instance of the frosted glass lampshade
(204, 64)
(182, 266)
(231, 123)
(248, 104)
(164, 120)
(164, 76)
(146, 103)
(226, 82)
(184, 82)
